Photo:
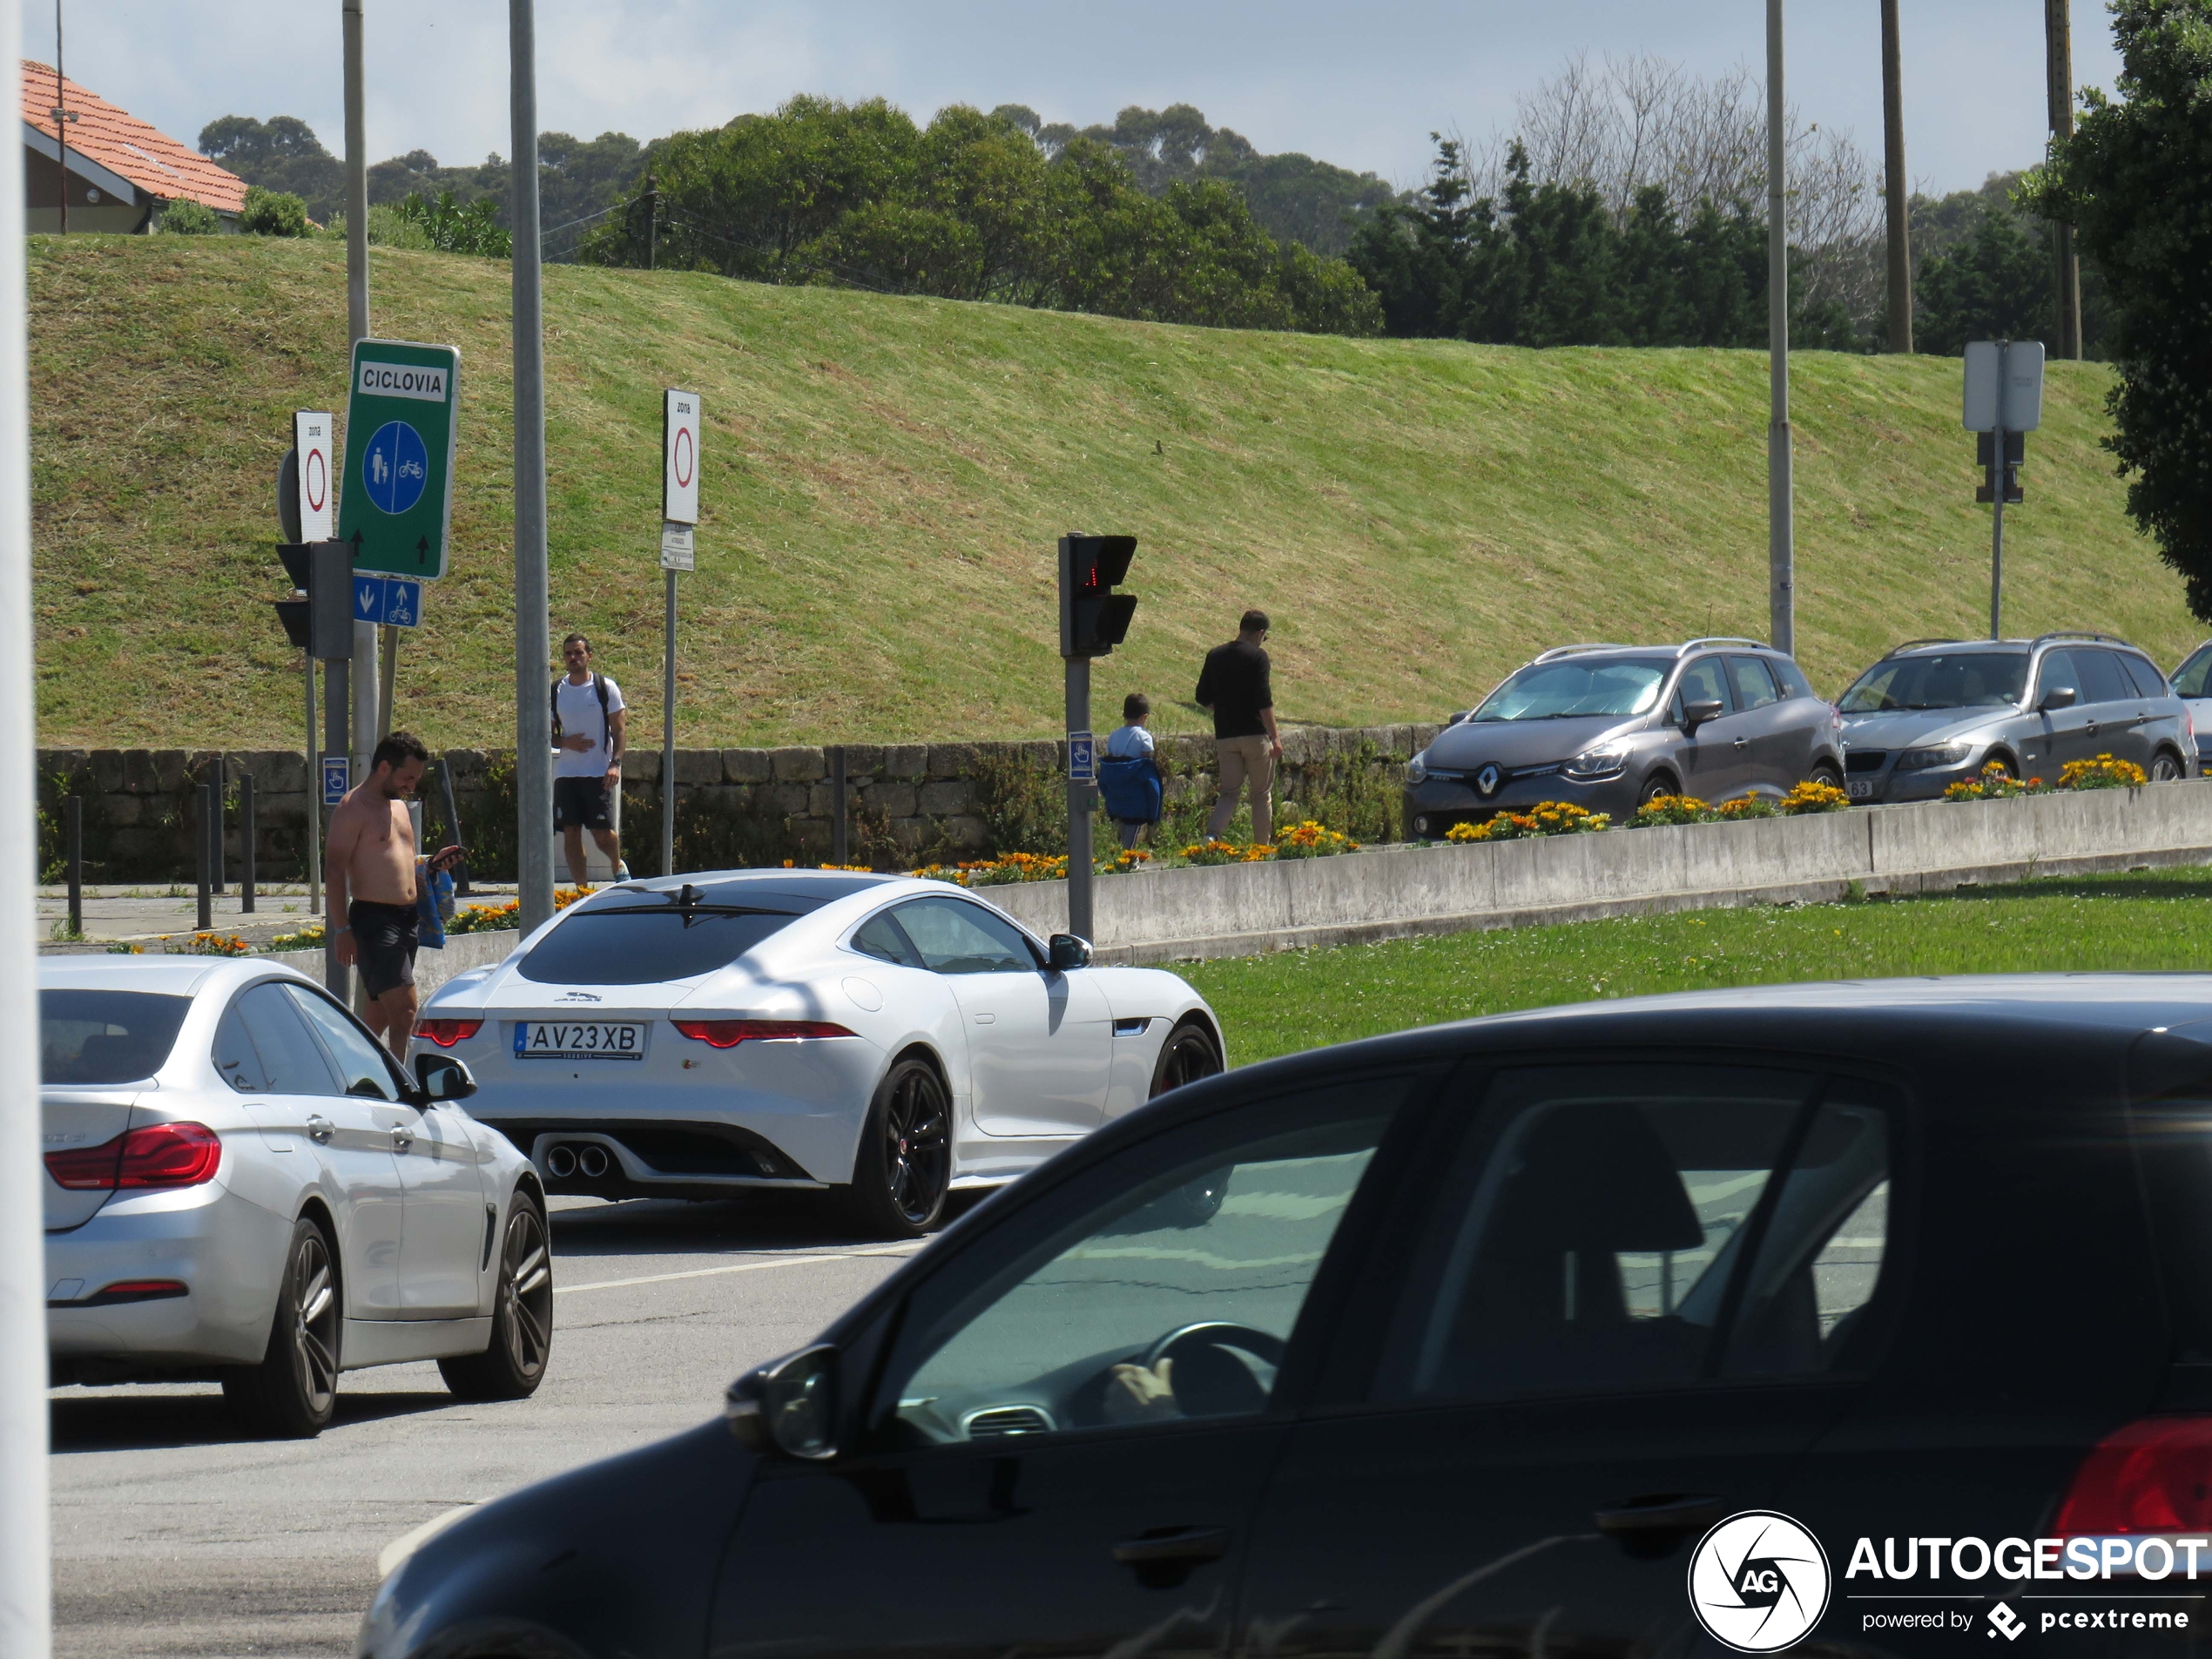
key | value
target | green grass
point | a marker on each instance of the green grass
(1280, 1004)
(884, 479)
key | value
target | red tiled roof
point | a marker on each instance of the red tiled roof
(120, 142)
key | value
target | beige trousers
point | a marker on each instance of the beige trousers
(1240, 760)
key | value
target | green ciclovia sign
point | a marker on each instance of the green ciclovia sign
(395, 504)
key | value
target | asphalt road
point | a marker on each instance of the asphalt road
(173, 1536)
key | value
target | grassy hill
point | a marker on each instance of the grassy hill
(884, 479)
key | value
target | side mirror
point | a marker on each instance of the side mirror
(442, 1076)
(1697, 714)
(1457, 715)
(2059, 697)
(1064, 952)
(788, 1405)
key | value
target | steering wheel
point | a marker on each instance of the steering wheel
(1208, 1380)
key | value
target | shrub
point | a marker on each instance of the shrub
(1124, 861)
(1219, 851)
(1545, 818)
(185, 217)
(310, 937)
(1670, 809)
(450, 227)
(207, 945)
(2103, 773)
(997, 872)
(1813, 796)
(1745, 806)
(1994, 784)
(272, 212)
(1312, 840)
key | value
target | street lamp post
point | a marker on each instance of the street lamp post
(533, 716)
(1781, 549)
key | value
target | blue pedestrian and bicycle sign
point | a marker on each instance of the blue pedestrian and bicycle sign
(395, 467)
(392, 601)
(335, 771)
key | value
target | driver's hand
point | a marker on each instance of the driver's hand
(1139, 1394)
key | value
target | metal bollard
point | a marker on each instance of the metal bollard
(215, 832)
(73, 827)
(840, 833)
(199, 842)
(245, 844)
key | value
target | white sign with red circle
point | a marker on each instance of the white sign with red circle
(311, 443)
(680, 457)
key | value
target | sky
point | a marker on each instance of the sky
(1359, 85)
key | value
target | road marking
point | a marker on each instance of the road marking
(734, 1267)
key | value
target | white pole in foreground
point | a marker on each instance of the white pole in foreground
(26, 1604)
(1781, 545)
(361, 673)
(533, 716)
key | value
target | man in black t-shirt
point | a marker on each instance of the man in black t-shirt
(1233, 687)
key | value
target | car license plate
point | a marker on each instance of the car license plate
(1861, 789)
(578, 1040)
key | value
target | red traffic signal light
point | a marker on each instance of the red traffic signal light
(1093, 617)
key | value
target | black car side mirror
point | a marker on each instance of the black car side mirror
(1699, 713)
(2059, 697)
(1064, 952)
(442, 1076)
(788, 1405)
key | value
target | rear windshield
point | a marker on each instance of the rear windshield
(1940, 680)
(1578, 687)
(106, 1036)
(2189, 677)
(636, 937)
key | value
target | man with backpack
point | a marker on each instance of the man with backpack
(588, 723)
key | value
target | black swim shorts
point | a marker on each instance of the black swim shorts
(581, 802)
(384, 944)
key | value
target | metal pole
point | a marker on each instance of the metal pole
(313, 818)
(388, 669)
(206, 911)
(840, 822)
(668, 734)
(2058, 47)
(26, 1603)
(335, 723)
(1893, 182)
(533, 718)
(246, 829)
(1997, 499)
(1781, 548)
(73, 826)
(363, 671)
(215, 827)
(61, 118)
(1079, 870)
(653, 213)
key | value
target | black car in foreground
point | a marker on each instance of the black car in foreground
(1875, 1317)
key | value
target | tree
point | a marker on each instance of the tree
(272, 212)
(282, 154)
(1996, 284)
(185, 217)
(2135, 182)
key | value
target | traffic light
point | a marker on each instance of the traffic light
(319, 617)
(1093, 617)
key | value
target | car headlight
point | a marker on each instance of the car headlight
(1417, 768)
(1600, 762)
(1949, 754)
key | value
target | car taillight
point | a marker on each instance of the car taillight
(2152, 1476)
(141, 1290)
(160, 1155)
(446, 1033)
(727, 1034)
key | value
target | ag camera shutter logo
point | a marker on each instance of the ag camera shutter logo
(1758, 1582)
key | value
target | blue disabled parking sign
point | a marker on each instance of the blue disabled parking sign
(394, 468)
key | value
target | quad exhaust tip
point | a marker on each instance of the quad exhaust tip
(592, 1160)
(560, 1163)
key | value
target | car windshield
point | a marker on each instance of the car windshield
(1940, 680)
(1578, 687)
(2190, 678)
(106, 1036)
(639, 936)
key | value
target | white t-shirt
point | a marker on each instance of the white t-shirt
(580, 716)
(1130, 742)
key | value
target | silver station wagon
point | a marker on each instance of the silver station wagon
(1933, 712)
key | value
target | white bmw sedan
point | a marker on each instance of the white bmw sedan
(241, 1184)
(884, 1038)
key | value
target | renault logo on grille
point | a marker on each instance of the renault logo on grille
(1486, 780)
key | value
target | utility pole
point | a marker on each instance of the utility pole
(653, 218)
(1781, 547)
(26, 1603)
(61, 118)
(2057, 48)
(362, 673)
(533, 716)
(1893, 181)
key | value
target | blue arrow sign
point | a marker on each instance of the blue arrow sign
(336, 771)
(403, 602)
(369, 598)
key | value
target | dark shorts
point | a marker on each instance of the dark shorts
(384, 944)
(581, 802)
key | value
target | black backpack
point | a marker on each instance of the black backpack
(606, 721)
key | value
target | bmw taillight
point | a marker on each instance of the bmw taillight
(2152, 1476)
(727, 1034)
(446, 1033)
(160, 1155)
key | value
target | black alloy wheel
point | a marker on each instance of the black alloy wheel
(513, 1364)
(1656, 785)
(292, 1393)
(1825, 773)
(2164, 769)
(1187, 1054)
(904, 1171)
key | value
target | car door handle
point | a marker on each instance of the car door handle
(1660, 1513)
(1173, 1546)
(1743, 743)
(2091, 728)
(401, 1139)
(319, 1129)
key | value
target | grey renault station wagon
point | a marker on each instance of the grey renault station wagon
(1933, 712)
(1608, 727)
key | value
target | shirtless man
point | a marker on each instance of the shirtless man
(370, 864)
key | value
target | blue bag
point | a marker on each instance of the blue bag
(1131, 788)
